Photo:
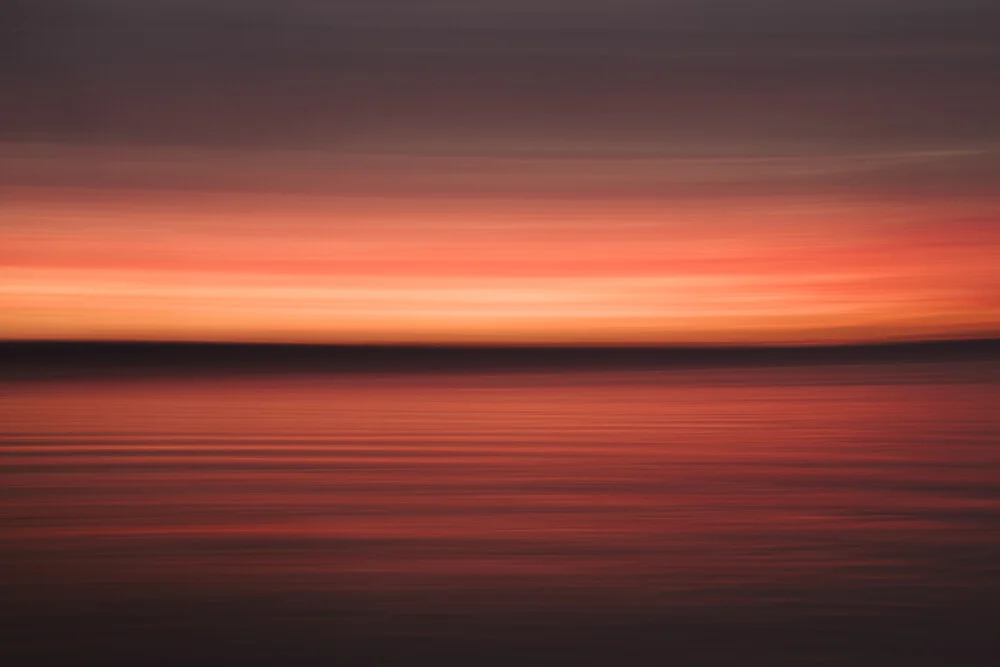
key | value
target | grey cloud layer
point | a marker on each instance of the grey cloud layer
(542, 81)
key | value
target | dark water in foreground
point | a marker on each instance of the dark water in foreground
(793, 516)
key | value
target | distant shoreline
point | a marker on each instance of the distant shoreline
(55, 359)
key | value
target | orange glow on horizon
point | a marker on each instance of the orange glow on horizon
(86, 264)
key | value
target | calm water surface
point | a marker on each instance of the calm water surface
(792, 516)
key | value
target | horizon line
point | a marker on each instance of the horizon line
(512, 345)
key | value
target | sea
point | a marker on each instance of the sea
(802, 515)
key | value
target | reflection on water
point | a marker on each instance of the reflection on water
(840, 515)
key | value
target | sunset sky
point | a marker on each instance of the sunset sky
(598, 171)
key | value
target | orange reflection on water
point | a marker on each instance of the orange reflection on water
(670, 487)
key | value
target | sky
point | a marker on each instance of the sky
(499, 171)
